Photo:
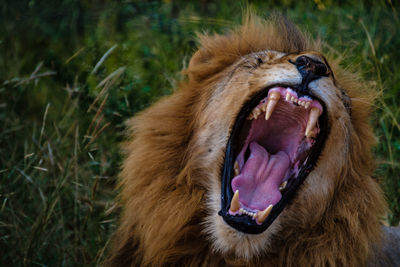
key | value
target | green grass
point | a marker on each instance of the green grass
(68, 81)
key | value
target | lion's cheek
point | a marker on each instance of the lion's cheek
(278, 74)
(319, 186)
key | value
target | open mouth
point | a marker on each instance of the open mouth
(274, 144)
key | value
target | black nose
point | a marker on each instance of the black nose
(307, 66)
(310, 70)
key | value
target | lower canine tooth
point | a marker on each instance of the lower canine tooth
(261, 216)
(312, 120)
(273, 99)
(235, 205)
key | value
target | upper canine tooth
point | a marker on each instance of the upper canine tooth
(312, 120)
(261, 216)
(273, 99)
(235, 204)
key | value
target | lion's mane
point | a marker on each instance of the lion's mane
(165, 178)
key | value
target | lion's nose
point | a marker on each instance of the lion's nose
(307, 66)
(310, 70)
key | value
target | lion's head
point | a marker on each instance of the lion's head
(261, 156)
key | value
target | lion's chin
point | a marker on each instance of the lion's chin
(227, 241)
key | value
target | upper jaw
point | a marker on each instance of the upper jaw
(291, 95)
(237, 213)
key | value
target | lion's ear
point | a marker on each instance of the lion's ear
(199, 65)
(198, 58)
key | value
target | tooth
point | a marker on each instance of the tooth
(263, 106)
(307, 105)
(251, 115)
(282, 186)
(235, 205)
(312, 120)
(273, 99)
(292, 98)
(261, 216)
(302, 103)
(256, 112)
(287, 96)
(236, 168)
(312, 134)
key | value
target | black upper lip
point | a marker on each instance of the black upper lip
(245, 223)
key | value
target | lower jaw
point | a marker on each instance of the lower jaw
(226, 240)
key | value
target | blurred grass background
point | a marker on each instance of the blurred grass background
(72, 71)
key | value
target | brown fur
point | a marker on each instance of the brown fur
(173, 162)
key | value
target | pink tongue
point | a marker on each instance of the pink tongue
(259, 180)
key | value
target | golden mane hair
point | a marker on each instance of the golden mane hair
(164, 180)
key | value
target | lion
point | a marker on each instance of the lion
(261, 157)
